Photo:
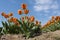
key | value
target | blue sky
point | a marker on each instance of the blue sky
(42, 10)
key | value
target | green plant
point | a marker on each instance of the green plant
(10, 28)
(25, 25)
(29, 28)
(52, 27)
(0, 30)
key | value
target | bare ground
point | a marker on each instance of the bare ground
(45, 36)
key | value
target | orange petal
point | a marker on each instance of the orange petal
(26, 11)
(23, 6)
(19, 12)
(10, 14)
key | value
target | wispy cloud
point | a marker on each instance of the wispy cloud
(45, 5)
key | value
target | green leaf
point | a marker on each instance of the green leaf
(3, 23)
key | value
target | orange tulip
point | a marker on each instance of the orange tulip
(45, 26)
(57, 18)
(14, 20)
(22, 19)
(6, 16)
(26, 11)
(10, 14)
(32, 18)
(52, 21)
(37, 23)
(53, 17)
(11, 19)
(49, 22)
(3, 14)
(23, 6)
(19, 12)
(17, 23)
(26, 17)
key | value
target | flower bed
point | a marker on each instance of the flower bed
(26, 25)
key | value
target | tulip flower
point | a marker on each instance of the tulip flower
(23, 6)
(2, 13)
(26, 11)
(10, 14)
(32, 18)
(19, 12)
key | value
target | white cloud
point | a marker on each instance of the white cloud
(43, 1)
(38, 8)
(44, 5)
(41, 7)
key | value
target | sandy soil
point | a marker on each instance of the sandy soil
(45, 36)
